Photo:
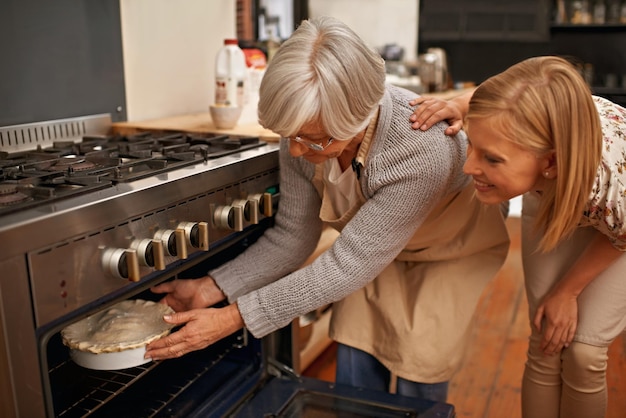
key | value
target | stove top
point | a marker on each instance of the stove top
(68, 168)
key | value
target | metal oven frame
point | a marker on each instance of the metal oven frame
(51, 258)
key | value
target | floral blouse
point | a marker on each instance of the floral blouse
(606, 210)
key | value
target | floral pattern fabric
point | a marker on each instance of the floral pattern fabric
(606, 210)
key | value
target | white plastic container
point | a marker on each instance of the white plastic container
(230, 75)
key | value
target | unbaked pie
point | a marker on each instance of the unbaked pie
(127, 325)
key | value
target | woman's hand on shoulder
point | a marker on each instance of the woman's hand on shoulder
(431, 110)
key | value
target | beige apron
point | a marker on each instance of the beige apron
(415, 316)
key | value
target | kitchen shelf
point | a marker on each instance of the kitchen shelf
(594, 27)
(608, 91)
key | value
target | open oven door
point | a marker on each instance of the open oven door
(284, 397)
(273, 390)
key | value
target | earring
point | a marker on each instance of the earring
(546, 174)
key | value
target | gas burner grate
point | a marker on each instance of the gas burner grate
(72, 167)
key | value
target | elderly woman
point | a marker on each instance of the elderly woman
(415, 249)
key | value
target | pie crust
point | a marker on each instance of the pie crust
(127, 325)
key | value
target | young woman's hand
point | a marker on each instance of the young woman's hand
(431, 110)
(556, 319)
(557, 315)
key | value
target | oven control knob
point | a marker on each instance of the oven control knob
(150, 252)
(229, 217)
(121, 263)
(196, 234)
(250, 208)
(174, 242)
(265, 202)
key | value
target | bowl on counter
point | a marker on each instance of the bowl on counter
(225, 117)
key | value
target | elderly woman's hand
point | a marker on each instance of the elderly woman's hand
(202, 328)
(183, 295)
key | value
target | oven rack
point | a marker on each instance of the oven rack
(107, 385)
(149, 388)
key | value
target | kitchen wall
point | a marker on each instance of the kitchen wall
(169, 54)
(170, 46)
(378, 22)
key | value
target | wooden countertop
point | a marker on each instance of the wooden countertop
(201, 122)
(195, 122)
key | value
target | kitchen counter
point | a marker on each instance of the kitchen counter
(195, 122)
(201, 122)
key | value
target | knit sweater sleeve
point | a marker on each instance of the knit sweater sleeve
(288, 243)
(406, 173)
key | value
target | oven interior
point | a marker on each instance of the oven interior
(239, 376)
(216, 377)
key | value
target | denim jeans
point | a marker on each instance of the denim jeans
(359, 369)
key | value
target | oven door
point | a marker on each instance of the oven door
(291, 397)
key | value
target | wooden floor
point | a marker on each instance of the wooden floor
(489, 382)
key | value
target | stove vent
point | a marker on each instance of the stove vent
(29, 136)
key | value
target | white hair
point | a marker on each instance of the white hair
(323, 73)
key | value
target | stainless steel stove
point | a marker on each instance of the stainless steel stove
(67, 167)
(89, 217)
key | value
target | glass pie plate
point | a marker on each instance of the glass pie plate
(116, 338)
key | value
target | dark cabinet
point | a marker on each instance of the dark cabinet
(599, 47)
(484, 37)
(484, 20)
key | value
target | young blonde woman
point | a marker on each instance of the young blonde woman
(535, 129)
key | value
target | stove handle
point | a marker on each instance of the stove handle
(159, 254)
(150, 252)
(122, 263)
(229, 217)
(265, 202)
(250, 208)
(196, 234)
(132, 264)
(173, 242)
(181, 243)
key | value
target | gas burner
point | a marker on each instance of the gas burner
(6, 189)
(199, 147)
(69, 168)
(72, 163)
(9, 195)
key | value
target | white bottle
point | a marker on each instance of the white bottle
(230, 74)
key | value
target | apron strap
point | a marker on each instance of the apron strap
(357, 163)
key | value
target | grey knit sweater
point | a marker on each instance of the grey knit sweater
(405, 174)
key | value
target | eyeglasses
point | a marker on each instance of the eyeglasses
(315, 146)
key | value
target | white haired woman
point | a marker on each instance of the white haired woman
(415, 249)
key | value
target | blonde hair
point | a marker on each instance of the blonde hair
(323, 73)
(544, 105)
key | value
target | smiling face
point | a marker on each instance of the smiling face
(501, 168)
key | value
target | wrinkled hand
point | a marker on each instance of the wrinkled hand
(432, 110)
(203, 327)
(183, 295)
(559, 314)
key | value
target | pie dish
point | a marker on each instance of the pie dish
(116, 338)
